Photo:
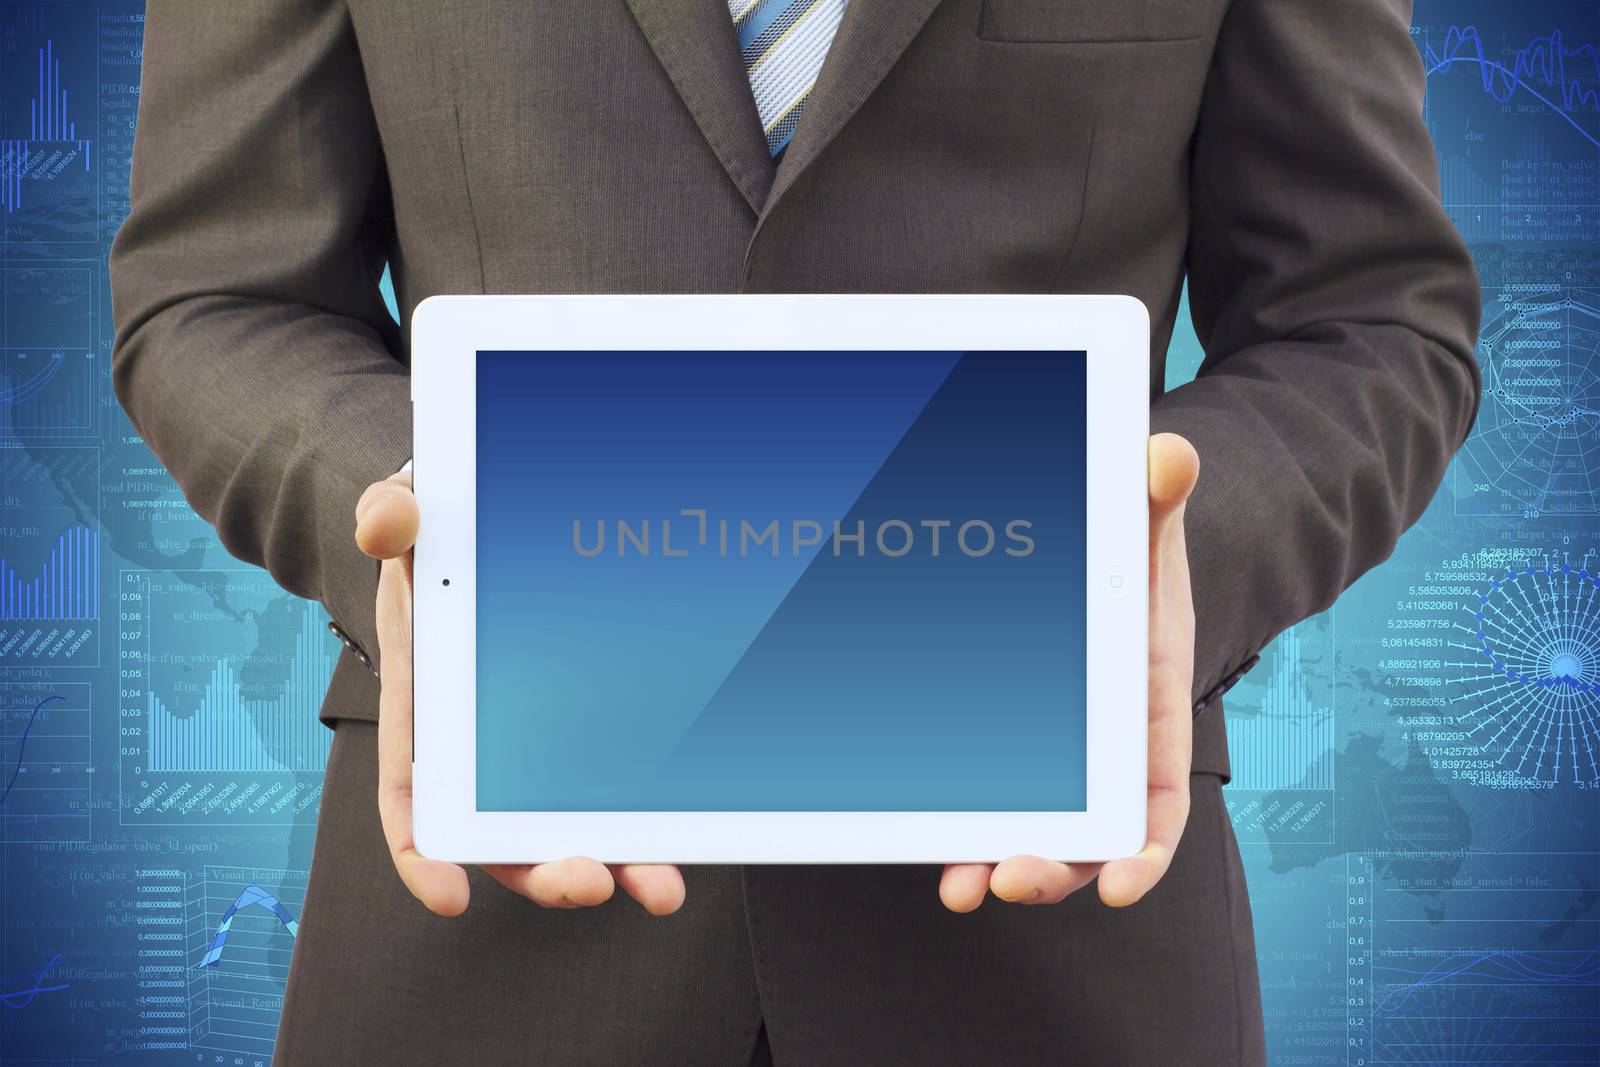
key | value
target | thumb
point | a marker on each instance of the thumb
(1174, 468)
(387, 518)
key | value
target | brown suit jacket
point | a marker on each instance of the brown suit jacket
(1271, 152)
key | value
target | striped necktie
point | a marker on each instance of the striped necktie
(783, 43)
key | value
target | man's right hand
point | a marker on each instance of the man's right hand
(386, 528)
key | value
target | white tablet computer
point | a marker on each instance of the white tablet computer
(708, 579)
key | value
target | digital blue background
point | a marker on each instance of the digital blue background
(807, 682)
(1410, 908)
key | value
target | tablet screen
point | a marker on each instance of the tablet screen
(781, 581)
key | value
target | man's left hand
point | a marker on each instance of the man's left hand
(1174, 466)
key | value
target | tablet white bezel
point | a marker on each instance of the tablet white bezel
(449, 331)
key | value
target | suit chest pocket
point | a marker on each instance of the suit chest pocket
(1088, 21)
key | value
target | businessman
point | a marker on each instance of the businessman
(1271, 152)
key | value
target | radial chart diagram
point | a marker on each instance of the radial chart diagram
(1536, 447)
(1530, 698)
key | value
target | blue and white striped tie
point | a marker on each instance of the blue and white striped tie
(783, 43)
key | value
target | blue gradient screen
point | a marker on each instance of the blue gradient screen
(781, 581)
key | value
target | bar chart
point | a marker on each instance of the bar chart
(52, 145)
(229, 732)
(222, 674)
(65, 586)
(1286, 741)
(51, 551)
(1282, 744)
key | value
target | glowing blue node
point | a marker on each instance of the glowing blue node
(1564, 665)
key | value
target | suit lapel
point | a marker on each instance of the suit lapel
(695, 43)
(871, 37)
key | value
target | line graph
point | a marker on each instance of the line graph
(21, 746)
(20, 991)
(16, 393)
(253, 895)
(1485, 964)
(47, 394)
(1514, 109)
(1565, 79)
(1496, 968)
(46, 759)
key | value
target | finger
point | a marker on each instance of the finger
(387, 518)
(570, 883)
(441, 887)
(1032, 880)
(963, 886)
(1126, 881)
(1171, 709)
(1174, 469)
(657, 886)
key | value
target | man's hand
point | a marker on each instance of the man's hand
(1031, 880)
(386, 527)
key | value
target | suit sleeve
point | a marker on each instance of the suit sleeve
(1338, 308)
(253, 351)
